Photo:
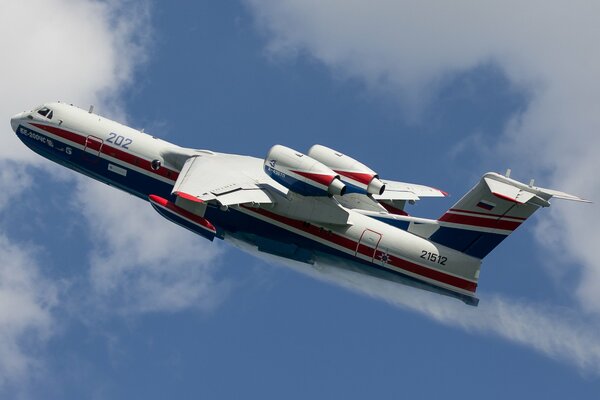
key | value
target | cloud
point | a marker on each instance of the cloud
(14, 179)
(142, 263)
(78, 51)
(546, 50)
(27, 300)
(558, 333)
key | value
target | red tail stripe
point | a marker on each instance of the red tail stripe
(478, 221)
(507, 198)
(486, 214)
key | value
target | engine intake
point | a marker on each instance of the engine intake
(358, 177)
(301, 173)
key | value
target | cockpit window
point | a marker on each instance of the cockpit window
(46, 112)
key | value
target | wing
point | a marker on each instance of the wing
(226, 179)
(232, 180)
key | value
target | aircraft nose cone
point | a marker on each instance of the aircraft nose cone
(15, 120)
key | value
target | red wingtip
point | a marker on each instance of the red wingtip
(446, 194)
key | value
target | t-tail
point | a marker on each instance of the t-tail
(491, 211)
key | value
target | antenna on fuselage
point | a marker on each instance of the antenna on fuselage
(91, 109)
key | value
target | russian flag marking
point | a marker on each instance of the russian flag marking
(486, 205)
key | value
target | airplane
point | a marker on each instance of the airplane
(309, 208)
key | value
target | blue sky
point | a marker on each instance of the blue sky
(104, 299)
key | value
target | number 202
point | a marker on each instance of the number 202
(119, 140)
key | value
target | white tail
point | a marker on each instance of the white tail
(491, 211)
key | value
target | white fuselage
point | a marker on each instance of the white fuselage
(144, 165)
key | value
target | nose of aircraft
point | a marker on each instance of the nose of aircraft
(15, 120)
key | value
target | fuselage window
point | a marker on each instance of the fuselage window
(155, 164)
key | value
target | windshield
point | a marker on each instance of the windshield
(46, 112)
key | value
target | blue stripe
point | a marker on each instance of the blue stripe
(136, 183)
(474, 243)
(350, 188)
(294, 184)
(400, 224)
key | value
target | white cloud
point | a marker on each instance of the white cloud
(14, 179)
(556, 332)
(26, 303)
(548, 50)
(78, 51)
(75, 51)
(142, 263)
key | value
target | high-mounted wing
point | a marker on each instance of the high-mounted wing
(224, 178)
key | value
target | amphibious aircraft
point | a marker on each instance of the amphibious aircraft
(305, 207)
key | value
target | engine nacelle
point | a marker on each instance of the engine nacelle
(301, 173)
(358, 177)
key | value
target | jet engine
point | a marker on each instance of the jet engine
(301, 173)
(358, 177)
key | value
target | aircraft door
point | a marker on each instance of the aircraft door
(93, 145)
(368, 243)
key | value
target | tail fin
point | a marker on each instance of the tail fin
(489, 212)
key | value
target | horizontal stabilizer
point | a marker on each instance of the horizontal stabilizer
(562, 195)
(508, 192)
(515, 191)
(407, 191)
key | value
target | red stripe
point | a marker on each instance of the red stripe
(323, 179)
(111, 151)
(183, 213)
(368, 251)
(361, 177)
(73, 137)
(503, 197)
(188, 197)
(441, 191)
(478, 221)
(429, 273)
(488, 214)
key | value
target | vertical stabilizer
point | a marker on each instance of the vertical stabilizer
(489, 212)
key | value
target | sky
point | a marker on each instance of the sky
(102, 298)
